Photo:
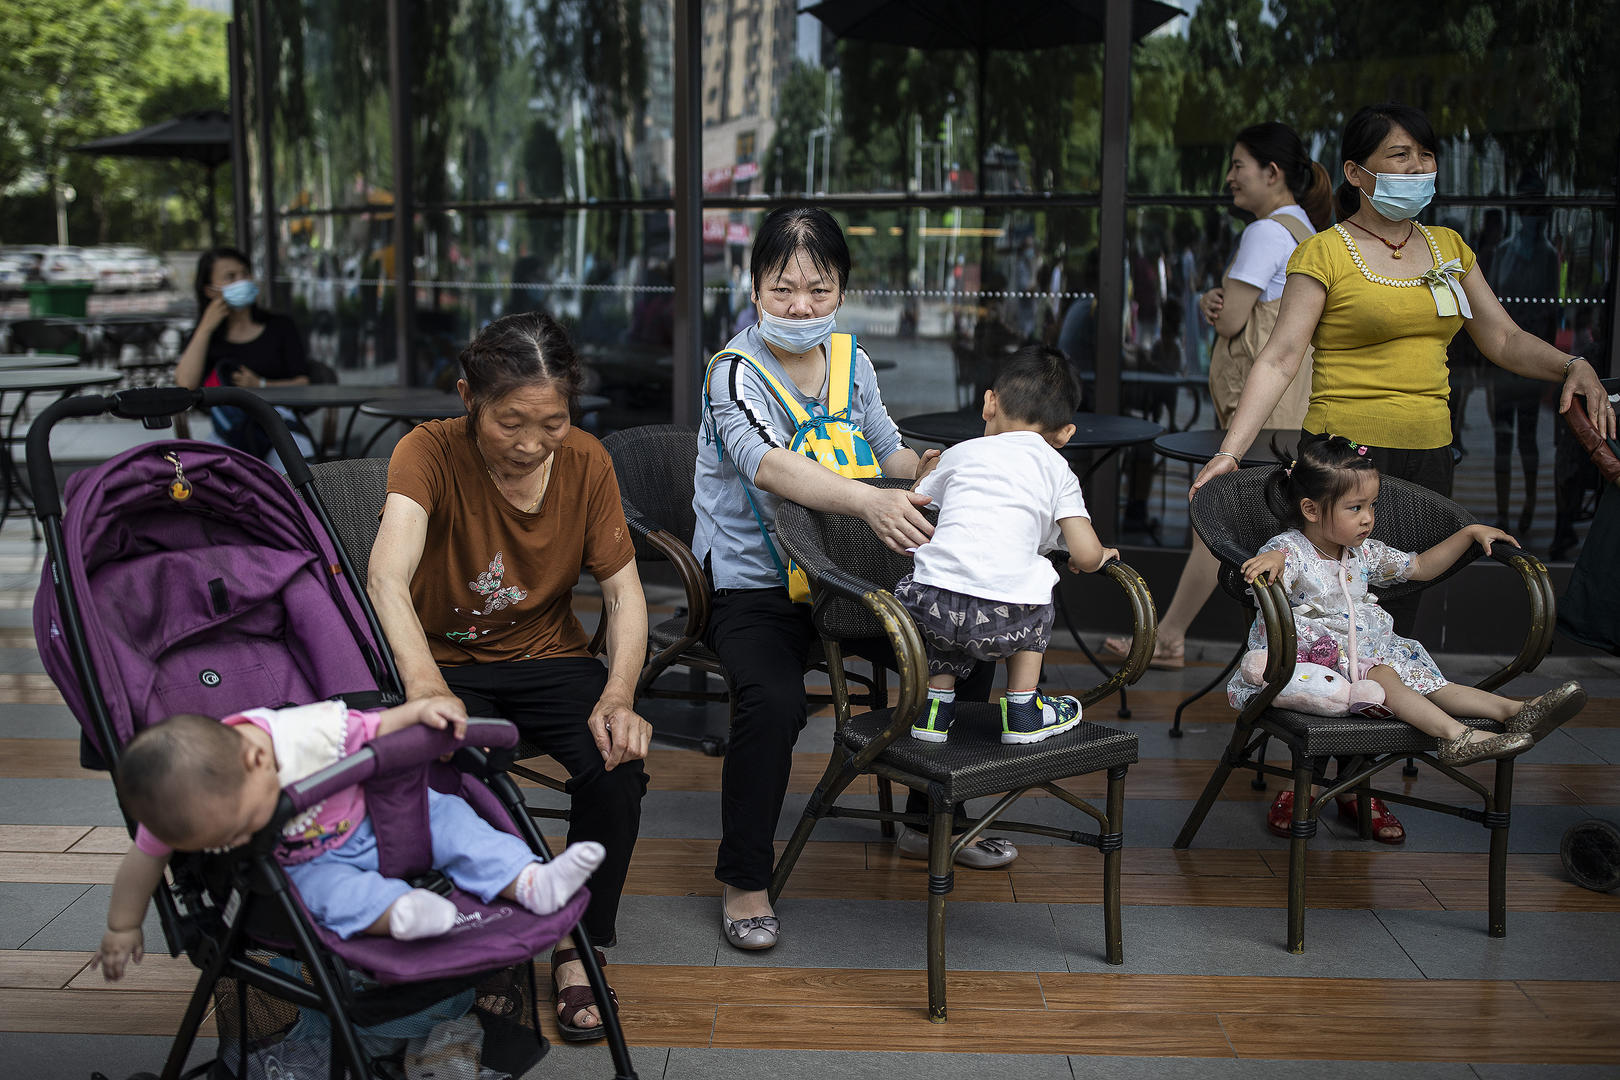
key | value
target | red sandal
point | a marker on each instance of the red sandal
(1381, 819)
(576, 999)
(1281, 814)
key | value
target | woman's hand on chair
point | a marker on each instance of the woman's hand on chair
(1217, 465)
(620, 733)
(1584, 382)
(895, 518)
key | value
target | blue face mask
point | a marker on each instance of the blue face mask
(1399, 196)
(241, 294)
(795, 335)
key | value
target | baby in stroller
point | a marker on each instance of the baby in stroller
(197, 784)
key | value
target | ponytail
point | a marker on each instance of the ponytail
(1348, 200)
(1317, 198)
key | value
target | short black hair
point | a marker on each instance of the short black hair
(516, 351)
(1036, 385)
(1326, 467)
(168, 766)
(788, 229)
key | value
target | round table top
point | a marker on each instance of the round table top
(1199, 446)
(421, 405)
(1091, 430)
(60, 379)
(36, 361)
(329, 395)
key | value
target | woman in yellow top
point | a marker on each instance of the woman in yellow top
(1379, 296)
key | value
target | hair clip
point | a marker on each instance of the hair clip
(1289, 472)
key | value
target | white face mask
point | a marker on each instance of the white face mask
(1399, 196)
(796, 335)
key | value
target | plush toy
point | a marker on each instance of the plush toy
(1318, 690)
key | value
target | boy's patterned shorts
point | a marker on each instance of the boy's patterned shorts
(960, 630)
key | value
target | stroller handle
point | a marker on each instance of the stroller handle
(404, 749)
(150, 405)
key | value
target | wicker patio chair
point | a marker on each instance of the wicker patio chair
(354, 490)
(851, 574)
(1231, 515)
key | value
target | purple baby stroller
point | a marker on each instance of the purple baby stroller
(188, 577)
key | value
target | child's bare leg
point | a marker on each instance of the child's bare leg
(546, 887)
(1459, 700)
(1024, 670)
(1414, 708)
(945, 683)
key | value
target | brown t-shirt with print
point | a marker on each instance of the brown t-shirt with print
(495, 582)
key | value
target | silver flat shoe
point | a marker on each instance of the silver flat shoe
(753, 934)
(986, 853)
(1540, 716)
(1463, 750)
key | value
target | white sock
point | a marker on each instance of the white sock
(545, 887)
(421, 914)
(1020, 697)
(942, 695)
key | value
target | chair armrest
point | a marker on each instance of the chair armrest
(694, 582)
(1281, 647)
(910, 657)
(1144, 632)
(1543, 614)
(1595, 445)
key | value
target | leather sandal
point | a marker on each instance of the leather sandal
(576, 999)
(1381, 818)
(1281, 814)
(1119, 648)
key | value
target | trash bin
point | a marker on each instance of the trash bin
(57, 297)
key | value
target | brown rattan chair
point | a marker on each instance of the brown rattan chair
(851, 574)
(354, 490)
(1231, 516)
(655, 465)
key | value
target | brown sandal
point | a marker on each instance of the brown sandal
(576, 999)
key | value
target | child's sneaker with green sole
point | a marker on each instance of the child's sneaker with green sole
(1039, 718)
(934, 725)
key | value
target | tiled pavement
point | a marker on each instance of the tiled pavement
(1399, 979)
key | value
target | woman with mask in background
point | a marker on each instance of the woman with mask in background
(238, 343)
(1379, 296)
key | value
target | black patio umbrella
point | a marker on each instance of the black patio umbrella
(203, 136)
(980, 26)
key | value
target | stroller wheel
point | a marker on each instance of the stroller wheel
(1591, 854)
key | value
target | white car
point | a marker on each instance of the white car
(13, 273)
(55, 264)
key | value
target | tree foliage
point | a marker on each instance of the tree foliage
(76, 70)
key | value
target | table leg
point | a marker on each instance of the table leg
(1226, 673)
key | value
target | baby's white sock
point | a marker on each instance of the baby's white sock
(421, 914)
(546, 887)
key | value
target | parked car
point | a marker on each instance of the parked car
(13, 273)
(54, 264)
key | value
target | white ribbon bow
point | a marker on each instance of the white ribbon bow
(1444, 281)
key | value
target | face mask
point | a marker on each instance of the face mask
(795, 335)
(1399, 196)
(240, 294)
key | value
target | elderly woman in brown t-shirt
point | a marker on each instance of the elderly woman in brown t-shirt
(490, 520)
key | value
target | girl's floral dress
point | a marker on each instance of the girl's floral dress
(1327, 595)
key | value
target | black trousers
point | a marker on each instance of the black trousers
(763, 639)
(549, 701)
(1426, 468)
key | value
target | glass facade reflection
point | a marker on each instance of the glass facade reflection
(541, 175)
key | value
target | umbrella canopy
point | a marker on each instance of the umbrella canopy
(203, 136)
(980, 26)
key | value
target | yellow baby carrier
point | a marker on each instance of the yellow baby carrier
(825, 436)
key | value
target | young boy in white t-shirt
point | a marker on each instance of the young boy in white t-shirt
(982, 586)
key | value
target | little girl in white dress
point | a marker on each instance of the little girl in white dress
(1326, 562)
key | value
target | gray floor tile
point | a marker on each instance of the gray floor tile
(1234, 941)
(37, 722)
(1560, 748)
(20, 660)
(73, 1057)
(1539, 944)
(1546, 1072)
(668, 930)
(711, 1064)
(567, 1061)
(893, 934)
(1116, 1068)
(58, 802)
(26, 908)
(82, 923)
(1604, 742)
